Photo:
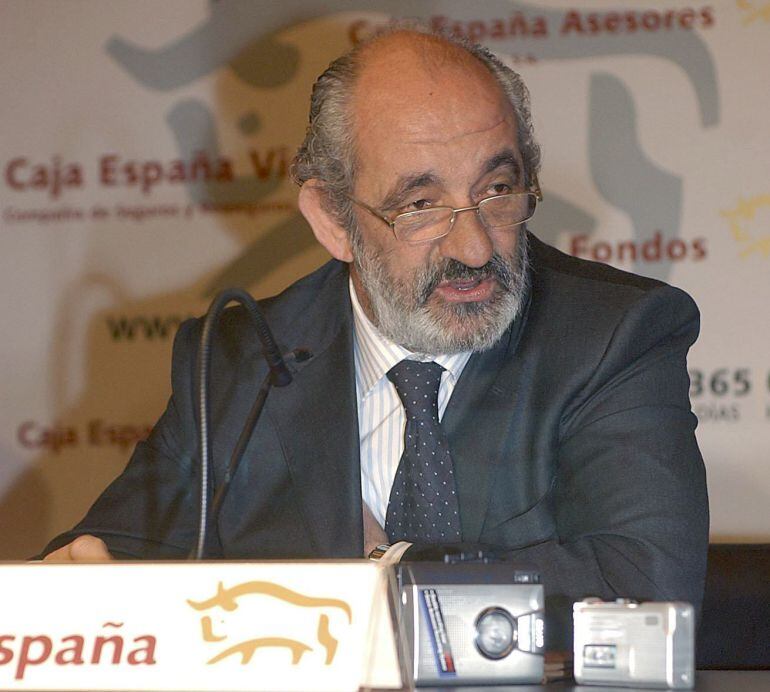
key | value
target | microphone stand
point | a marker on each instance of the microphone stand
(238, 451)
(278, 375)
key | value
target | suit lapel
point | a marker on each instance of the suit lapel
(317, 421)
(476, 422)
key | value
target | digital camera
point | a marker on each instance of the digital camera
(639, 644)
(466, 624)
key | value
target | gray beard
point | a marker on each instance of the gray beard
(403, 314)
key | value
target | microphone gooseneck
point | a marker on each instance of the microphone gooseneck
(278, 375)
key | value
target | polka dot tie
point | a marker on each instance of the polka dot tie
(423, 501)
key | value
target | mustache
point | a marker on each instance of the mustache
(453, 270)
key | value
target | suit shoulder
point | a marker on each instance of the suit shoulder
(299, 310)
(306, 291)
(310, 312)
(546, 258)
(589, 323)
(558, 276)
(589, 301)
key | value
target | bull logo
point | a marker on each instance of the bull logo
(228, 600)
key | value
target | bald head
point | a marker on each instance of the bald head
(405, 51)
(424, 88)
(402, 78)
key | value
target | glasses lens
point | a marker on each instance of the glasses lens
(427, 224)
(507, 210)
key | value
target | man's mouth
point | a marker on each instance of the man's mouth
(457, 283)
(466, 290)
(465, 285)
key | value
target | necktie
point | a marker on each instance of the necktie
(423, 500)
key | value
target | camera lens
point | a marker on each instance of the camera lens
(496, 633)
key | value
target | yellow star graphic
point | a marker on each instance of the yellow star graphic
(755, 13)
(739, 219)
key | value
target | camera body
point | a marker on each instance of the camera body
(466, 624)
(638, 644)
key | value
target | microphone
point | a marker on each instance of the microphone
(278, 375)
(298, 355)
(278, 370)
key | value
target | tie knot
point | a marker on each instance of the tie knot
(417, 386)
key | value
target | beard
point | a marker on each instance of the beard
(404, 312)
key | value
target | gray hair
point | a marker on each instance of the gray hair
(328, 152)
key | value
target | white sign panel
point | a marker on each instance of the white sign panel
(188, 626)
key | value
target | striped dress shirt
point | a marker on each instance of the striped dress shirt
(381, 417)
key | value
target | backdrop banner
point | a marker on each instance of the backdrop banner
(144, 162)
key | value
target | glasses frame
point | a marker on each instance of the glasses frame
(534, 189)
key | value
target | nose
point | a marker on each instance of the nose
(468, 241)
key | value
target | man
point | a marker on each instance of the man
(566, 439)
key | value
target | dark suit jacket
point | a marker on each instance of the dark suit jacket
(572, 439)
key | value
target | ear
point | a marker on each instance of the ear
(325, 226)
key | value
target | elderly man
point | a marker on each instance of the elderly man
(470, 386)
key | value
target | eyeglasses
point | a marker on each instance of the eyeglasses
(423, 225)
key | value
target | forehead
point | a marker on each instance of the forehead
(420, 102)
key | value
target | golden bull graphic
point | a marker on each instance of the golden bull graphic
(228, 600)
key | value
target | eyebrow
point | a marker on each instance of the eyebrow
(406, 184)
(505, 159)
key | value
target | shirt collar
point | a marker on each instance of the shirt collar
(375, 354)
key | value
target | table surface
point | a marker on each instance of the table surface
(705, 681)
